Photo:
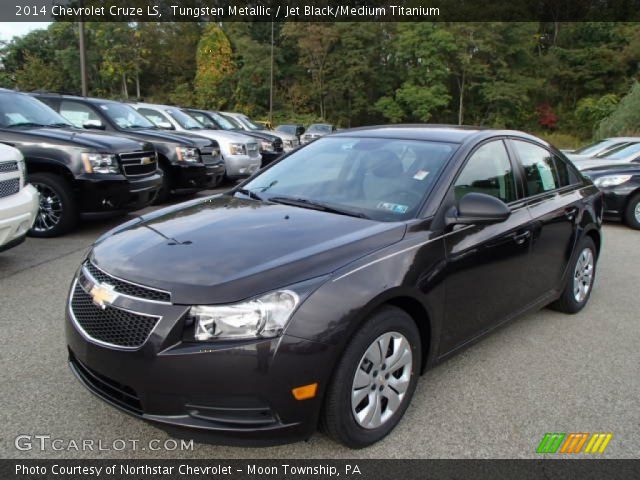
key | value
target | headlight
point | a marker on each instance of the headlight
(611, 180)
(263, 317)
(23, 172)
(100, 163)
(186, 154)
(237, 149)
(266, 146)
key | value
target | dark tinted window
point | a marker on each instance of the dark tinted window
(566, 176)
(540, 172)
(488, 171)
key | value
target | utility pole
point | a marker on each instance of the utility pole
(83, 60)
(271, 80)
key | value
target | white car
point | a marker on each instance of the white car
(600, 147)
(289, 142)
(241, 153)
(19, 202)
(627, 153)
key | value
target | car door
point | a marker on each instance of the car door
(485, 263)
(554, 201)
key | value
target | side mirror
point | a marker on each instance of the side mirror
(478, 209)
(165, 126)
(299, 131)
(94, 124)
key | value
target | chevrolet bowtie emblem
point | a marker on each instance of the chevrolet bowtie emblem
(103, 294)
(146, 160)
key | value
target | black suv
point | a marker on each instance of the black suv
(189, 162)
(270, 145)
(76, 172)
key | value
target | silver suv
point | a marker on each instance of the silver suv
(241, 153)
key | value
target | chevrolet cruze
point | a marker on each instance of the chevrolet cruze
(316, 292)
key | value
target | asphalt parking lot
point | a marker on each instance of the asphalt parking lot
(545, 372)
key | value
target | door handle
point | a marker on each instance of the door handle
(570, 213)
(522, 237)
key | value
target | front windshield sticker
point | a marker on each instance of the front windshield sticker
(421, 175)
(393, 207)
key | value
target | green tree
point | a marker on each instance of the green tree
(215, 68)
(624, 120)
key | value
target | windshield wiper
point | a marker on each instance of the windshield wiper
(27, 124)
(249, 193)
(59, 125)
(306, 203)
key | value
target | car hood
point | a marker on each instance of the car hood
(588, 164)
(223, 136)
(256, 134)
(102, 142)
(224, 249)
(603, 170)
(182, 138)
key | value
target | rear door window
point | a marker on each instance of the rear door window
(540, 172)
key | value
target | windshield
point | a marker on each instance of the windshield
(382, 179)
(623, 152)
(125, 116)
(594, 147)
(286, 129)
(319, 128)
(19, 110)
(223, 121)
(184, 120)
(250, 124)
(236, 124)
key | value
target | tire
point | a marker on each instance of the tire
(571, 301)
(58, 213)
(338, 416)
(632, 212)
(165, 189)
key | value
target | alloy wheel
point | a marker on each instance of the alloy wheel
(583, 275)
(381, 380)
(50, 210)
(637, 212)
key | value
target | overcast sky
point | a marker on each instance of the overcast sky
(10, 29)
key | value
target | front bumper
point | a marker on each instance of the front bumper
(242, 166)
(114, 193)
(239, 392)
(17, 214)
(616, 198)
(196, 176)
(268, 157)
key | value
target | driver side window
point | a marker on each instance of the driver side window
(488, 171)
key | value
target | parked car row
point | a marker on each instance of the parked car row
(93, 157)
(614, 166)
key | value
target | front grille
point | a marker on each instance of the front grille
(122, 395)
(8, 167)
(112, 326)
(9, 187)
(138, 164)
(127, 288)
(277, 146)
(252, 148)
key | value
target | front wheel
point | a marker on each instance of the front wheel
(374, 381)
(632, 212)
(577, 291)
(58, 212)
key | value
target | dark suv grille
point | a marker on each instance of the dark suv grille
(138, 164)
(8, 167)
(112, 326)
(277, 145)
(126, 288)
(121, 395)
(9, 187)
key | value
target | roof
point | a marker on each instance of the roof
(436, 133)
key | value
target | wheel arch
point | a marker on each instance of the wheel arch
(55, 168)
